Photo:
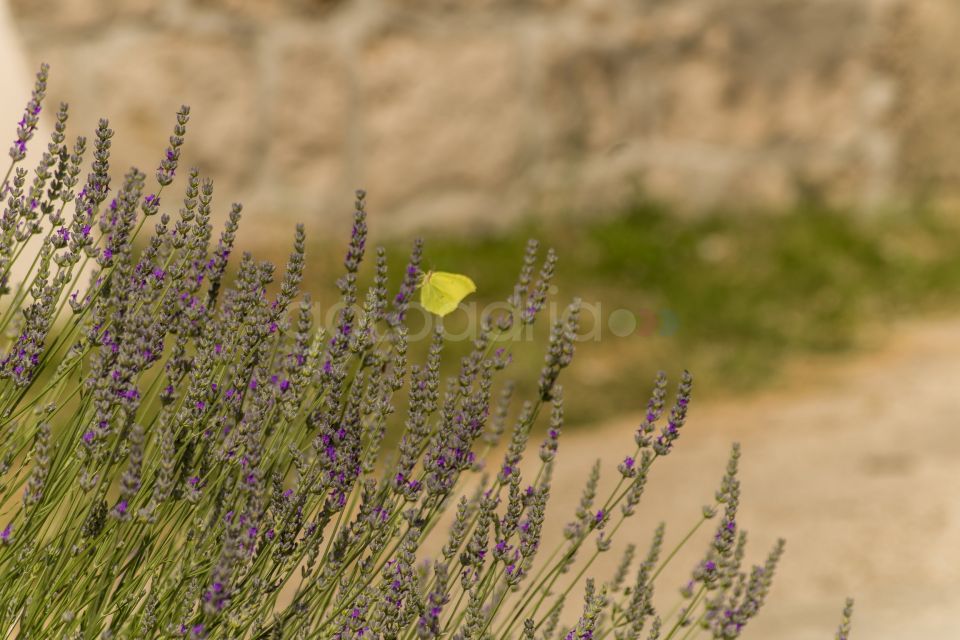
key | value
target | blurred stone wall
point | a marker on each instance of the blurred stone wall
(487, 110)
(13, 71)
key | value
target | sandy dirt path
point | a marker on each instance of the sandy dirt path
(855, 463)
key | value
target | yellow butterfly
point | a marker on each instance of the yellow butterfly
(442, 292)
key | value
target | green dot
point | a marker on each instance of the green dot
(622, 323)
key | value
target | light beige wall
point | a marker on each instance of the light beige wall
(14, 94)
(484, 110)
(13, 71)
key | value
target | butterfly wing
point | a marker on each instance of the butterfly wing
(455, 285)
(442, 292)
(433, 300)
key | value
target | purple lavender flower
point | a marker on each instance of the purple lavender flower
(31, 116)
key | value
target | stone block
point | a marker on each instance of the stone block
(307, 127)
(439, 112)
(82, 15)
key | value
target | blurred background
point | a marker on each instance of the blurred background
(762, 191)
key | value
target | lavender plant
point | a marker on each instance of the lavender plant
(189, 456)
